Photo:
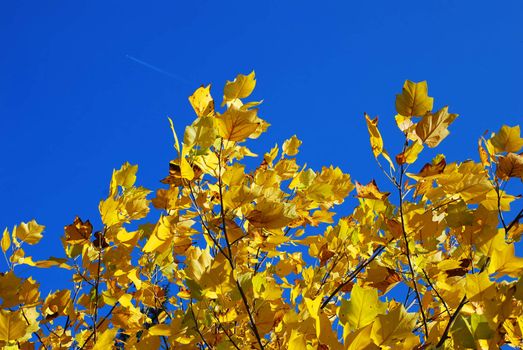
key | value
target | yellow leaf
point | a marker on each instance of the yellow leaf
(360, 340)
(324, 331)
(414, 99)
(376, 141)
(290, 146)
(241, 87)
(271, 215)
(202, 101)
(403, 123)
(125, 301)
(161, 330)
(478, 287)
(396, 325)
(507, 139)
(237, 124)
(12, 325)
(265, 288)
(6, 241)
(201, 133)
(186, 169)
(29, 232)
(176, 143)
(105, 340)
(483, 155)
(296, 341)
(411, 153)
(362, 308)
(433, 128)
(160, 237)
(134, 277)
(124, 177)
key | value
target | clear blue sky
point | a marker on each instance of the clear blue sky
(73, 105)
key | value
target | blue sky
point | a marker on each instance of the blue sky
(74, 104)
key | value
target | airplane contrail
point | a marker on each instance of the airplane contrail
(159, 70)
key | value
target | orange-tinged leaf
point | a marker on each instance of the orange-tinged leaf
(78, 231)
(509, 166)
(370, 191)
(414, 99)
(431, 169)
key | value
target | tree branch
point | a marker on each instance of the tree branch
(354, 274)
(231, 261)
(407, 249)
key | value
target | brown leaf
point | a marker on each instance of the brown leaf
(509, 166)
(431, 169)
(78, 231)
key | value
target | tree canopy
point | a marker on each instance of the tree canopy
(228, 259)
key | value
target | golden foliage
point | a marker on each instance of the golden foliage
(230, 262)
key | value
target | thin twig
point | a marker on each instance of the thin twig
(354, 274)
(99, 324)
(231, 261)
(36, 333)
(101, 239)
(197, 327)
(407, 249)
(445, 335)
(436, 291)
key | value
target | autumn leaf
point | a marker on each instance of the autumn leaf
(370, 191)
(263, 255)
(507, 139)
(30, 232)
(78, 231)
(202, 101)
(237, 125)
(509, 166)
(376, 141)
(433, 128)
(290, 146)
(414, 99)
(6, 241)
(362, 308)
(12, 325)
(241, 87)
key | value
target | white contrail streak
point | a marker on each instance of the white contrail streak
(159, 70)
